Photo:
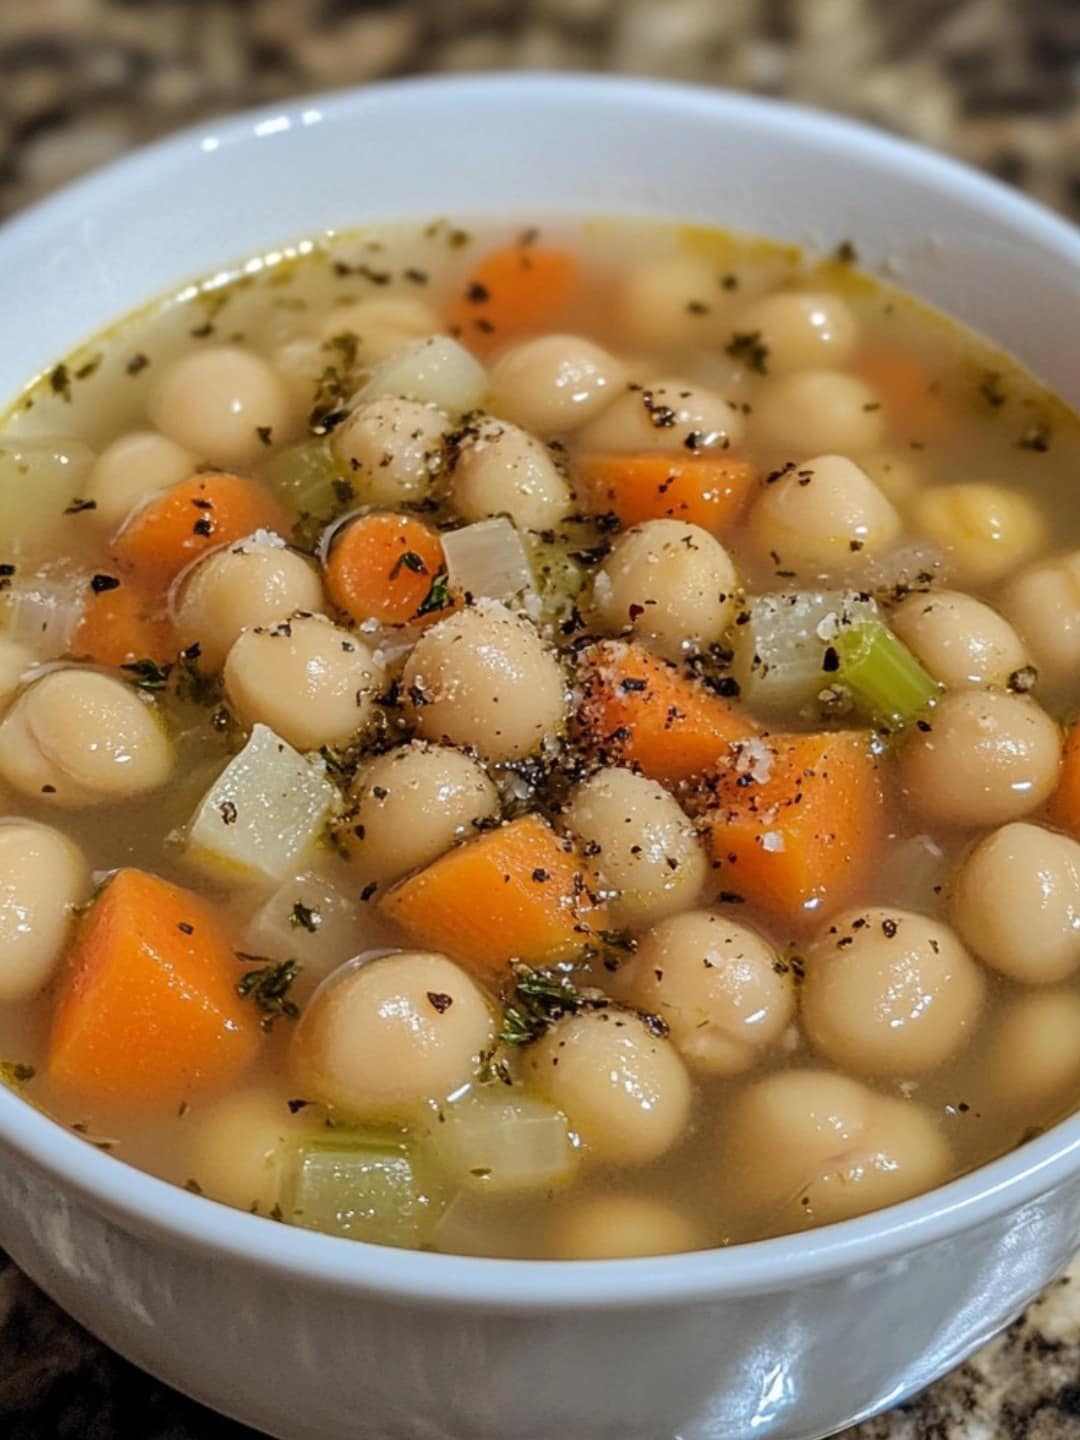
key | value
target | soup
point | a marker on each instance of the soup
(546, 743)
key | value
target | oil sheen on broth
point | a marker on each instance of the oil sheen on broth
(542, 742)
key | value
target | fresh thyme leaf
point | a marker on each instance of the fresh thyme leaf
(438, 597)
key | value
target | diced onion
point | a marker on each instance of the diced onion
(779, 652)
(433, 371)
(43, 612)
(313, 921)
(39, 478)
(263, 814)
(498, 1139)
(488, 560)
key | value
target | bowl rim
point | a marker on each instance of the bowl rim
(143, 1203)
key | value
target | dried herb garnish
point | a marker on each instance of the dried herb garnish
(747, 346)
(408, 560)
(845, 253)
(147, 674)
(304, 917)
(77, 506)
(16, 1072)
(268, 986)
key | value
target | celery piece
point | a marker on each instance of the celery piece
(304, 475)
(885, 680)
(361, 1184)
(780, 643)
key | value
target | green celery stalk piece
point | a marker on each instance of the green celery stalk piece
(886, 681)
(304, 475)
(362, 1185)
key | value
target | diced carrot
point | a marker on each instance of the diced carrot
(906, 389)
(519, 892)
(189, 519)
(119, 626)
(147, 1009)
(389, 568)
(796, 821)
(640, 711)
(1065, 802)
(705, 490)
(513, 290)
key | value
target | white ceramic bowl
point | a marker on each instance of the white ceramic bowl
(307, 1336)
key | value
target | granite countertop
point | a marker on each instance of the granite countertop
(81, 81)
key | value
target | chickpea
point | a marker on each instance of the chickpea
(78, 737)
(414, 803)
(902, 1154)
(1034, 1054)
(616, 1227)
(256, 582)
(393, 448)
(819, 411)
(719, 986)
(132, 468)
(1016, 901)
(822, 517)
(15, 661)
(501, 470)
(484, 678)
(984, 758)
(894, 473)
(889, 992)
(671, 300)
(309, 680)
(625, 1091)
(216, 401)
(665, 415)
(641, 845)
(237, 1150)
(43, 876)
(1043, 603)
(554, 383)
(960, 640)
(383, 1038)
(801, 330)
(985, 530)
(380, 325)
(786, 1129)
(670, 584)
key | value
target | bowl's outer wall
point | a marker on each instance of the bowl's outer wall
(303, 1359)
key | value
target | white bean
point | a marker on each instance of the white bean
(822, 517)
(985, 530)
(393, 448)
(484, 678)
(43, 876)
(670, 584)
(960, 640)
(819, 411)
(132, 468)
(554, 384)
(309, 680)
(215, 402)
(383, 1039)
(1016, 901)
(502, 470)
(641, 845)
(666, 414)
(412, 804)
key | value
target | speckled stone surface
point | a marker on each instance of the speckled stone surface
(996, 82)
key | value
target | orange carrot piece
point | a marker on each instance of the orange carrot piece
(796, 822)
(389, 568)
(189, 519)
(147, 1009)
(119, 626)
(519, 892)
(513, 290)
(706, 490)
(640, 711)
(905, 387)
(1065, 802)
